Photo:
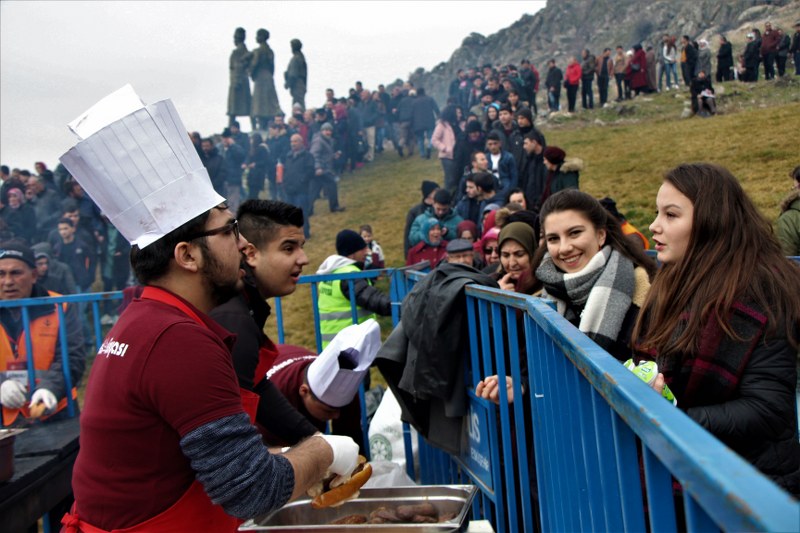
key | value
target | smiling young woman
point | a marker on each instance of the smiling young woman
(585, 255)
(722, 318)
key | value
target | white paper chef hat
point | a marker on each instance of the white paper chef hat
(354, 347)
(138, 165)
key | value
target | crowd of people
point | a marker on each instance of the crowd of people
(642, 69)
(509, 207)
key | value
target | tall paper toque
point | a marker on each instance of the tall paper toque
(138, 165)
(356, 345)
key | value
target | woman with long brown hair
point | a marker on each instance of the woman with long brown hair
(722, 318)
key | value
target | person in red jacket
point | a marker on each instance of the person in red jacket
(432, 248)
(638, 70)
(572, 81)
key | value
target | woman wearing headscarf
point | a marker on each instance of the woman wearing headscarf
(431, 248)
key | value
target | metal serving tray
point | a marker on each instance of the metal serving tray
(300, 516)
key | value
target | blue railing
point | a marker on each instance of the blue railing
(585, 445)
(95, 299)
(588, 431)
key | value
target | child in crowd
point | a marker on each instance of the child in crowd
(375, 259)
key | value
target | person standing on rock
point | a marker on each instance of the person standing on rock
(296, 74)
(239, 98)
(262, 70)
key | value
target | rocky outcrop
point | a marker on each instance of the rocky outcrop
(564, 27)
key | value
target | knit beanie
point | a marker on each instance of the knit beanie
(349, 242)
(554, 154)
(467, 225)
(525, 112)
(428, 187)
(473, 126)
(18, 251)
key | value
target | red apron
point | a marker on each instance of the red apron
(194, 510)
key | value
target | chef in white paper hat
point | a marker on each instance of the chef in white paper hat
(163, 401)
(334, 376)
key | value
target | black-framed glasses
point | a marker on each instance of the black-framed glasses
(489, 251)
(230, 226)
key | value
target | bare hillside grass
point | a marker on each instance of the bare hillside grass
(755, 136)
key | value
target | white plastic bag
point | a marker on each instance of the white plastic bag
(386, 434)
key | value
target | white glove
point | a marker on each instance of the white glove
(13, 394)
(345, 454)
(46, 397)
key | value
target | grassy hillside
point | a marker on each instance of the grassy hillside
(755, 136)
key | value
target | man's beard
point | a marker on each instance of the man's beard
(221, 287)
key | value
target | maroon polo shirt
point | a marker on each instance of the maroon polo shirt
(158, 376)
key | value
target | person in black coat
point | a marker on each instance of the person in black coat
(424, 114)
(751, 58)
(215, 166)
(724, 60)
(687, 67)
(259, 160)
(298, 173)
(553, 84)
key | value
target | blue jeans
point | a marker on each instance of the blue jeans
(552, 100)
(671, 68)
(422, 136)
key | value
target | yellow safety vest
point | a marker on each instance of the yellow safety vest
(335, 313)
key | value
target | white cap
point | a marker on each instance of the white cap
(139, 166)
(354, 347)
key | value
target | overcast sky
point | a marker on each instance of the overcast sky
(58, 58)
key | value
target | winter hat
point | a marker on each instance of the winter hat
(428, 187)
(17, 250)
(554, 154)
(326, 127)
(525, 112)
(349, 242)
(467, 225)
(473, 126)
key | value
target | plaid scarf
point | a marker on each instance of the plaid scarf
(712, 375)
(603, 288)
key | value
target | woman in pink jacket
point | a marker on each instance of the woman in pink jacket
(444, 140)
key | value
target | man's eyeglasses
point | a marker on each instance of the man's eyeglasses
(490, 251)
(227, 228)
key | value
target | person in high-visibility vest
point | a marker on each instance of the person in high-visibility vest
(18, 277)
(335, 312)
(44, 401)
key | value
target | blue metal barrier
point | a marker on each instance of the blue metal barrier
(572, 450)
(26, 303)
